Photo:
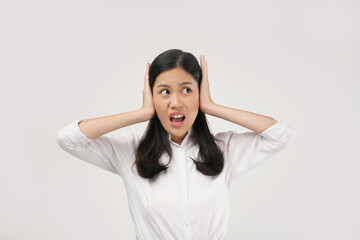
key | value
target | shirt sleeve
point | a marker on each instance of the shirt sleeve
(243, 151)
(113, 154)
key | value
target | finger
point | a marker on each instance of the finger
(146, 78)
(147, 70)
(145, 75)
(205, 70)
(203, 65)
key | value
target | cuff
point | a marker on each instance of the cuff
(80, 138)
(274, 132)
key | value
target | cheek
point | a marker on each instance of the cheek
(158, 104)
(195, 101)
(156, 101)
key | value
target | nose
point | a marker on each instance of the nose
(175, 102)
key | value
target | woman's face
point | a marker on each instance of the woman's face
(176, 92)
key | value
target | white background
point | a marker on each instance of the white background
(63, 60)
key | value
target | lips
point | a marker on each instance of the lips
(176, 113)
(177, 120)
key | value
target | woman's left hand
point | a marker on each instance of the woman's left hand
(205, 99)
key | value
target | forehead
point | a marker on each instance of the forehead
(174, 76)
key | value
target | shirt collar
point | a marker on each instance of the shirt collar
(186, 140)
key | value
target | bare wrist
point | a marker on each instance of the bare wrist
(146, 114)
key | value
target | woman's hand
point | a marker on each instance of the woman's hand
(148, 104)
(205, 100)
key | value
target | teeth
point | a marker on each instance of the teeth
(177, 116)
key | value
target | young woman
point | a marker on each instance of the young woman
(178, 175)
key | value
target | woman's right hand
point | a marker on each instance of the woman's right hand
(148, 104)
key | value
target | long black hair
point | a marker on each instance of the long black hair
(155, 140)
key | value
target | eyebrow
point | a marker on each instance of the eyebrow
(180, 84)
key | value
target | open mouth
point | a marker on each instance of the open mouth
(177, 119)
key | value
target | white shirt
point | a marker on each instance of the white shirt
(180, 202)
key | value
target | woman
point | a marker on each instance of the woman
(183, 176)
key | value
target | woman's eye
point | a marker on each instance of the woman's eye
(189, 90)
(164, 91)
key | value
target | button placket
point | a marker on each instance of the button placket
(184, 194)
